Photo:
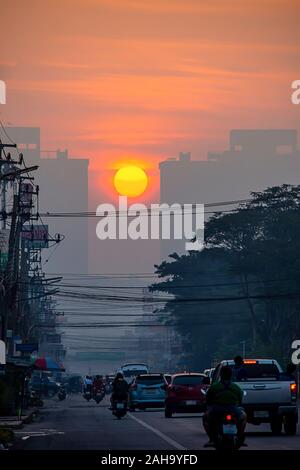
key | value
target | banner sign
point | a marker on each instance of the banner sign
(29, 347)
(26, 191)
(4, 244)
(36, 235)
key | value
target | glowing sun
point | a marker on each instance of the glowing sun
(130, 181)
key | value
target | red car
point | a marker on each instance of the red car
(185, 394)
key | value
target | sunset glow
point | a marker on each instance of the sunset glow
(108, 78)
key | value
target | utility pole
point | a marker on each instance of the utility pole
(3, 204)
(24, 309)
(10, 273)
(9, 171)
(4, 165)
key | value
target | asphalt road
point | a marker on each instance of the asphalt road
(77, 424)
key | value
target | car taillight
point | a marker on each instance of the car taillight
(228, 417)
(294, 390)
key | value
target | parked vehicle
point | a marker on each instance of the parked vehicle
(119, 408)
(184, 394)
(44, 384)
(268, 397)
(35, 399)
(148, 391)
(61, 394)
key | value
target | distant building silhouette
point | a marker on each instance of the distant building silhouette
(256, 159)
(63, 188)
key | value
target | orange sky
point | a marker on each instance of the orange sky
(148, 78)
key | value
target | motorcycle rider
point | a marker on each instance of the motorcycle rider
(119, 389)
(107, 384)
(87, 384)
(239, 372)
(98, 383)
(222, 397)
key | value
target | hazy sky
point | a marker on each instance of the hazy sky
(116, 80)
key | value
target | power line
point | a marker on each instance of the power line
(133, 325)
(172, 286)
(147, 211)
(180, 300)
(125, 214)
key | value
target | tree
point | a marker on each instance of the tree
(255, 249)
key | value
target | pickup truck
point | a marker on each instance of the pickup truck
(269, 397)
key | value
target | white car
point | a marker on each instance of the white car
(130, 371)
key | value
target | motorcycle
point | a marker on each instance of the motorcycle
(119, 408)
(98, 395)
(226, 438)
(87, 395)
(61, 393)
(35, 399)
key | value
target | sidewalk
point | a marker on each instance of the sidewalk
(14, 422)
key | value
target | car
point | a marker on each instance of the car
(147, 391)
(131, 370)
(168, 377)
(186, 394)
(44, 385)
(268, 397)
(209, 372)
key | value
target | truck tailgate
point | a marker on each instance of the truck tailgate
(277, 392)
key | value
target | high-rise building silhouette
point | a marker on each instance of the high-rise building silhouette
(63, 185)
(256, 159)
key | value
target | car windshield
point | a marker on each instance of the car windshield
(188, 380)
(135, 372)
(150, 380)
(260, 371)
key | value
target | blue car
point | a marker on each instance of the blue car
(147, 391)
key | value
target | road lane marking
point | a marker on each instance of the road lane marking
(41, 433)
(160, 434)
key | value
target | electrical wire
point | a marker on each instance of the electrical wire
(171, 286)
(141, 300)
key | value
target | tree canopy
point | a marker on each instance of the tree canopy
(243, 286)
